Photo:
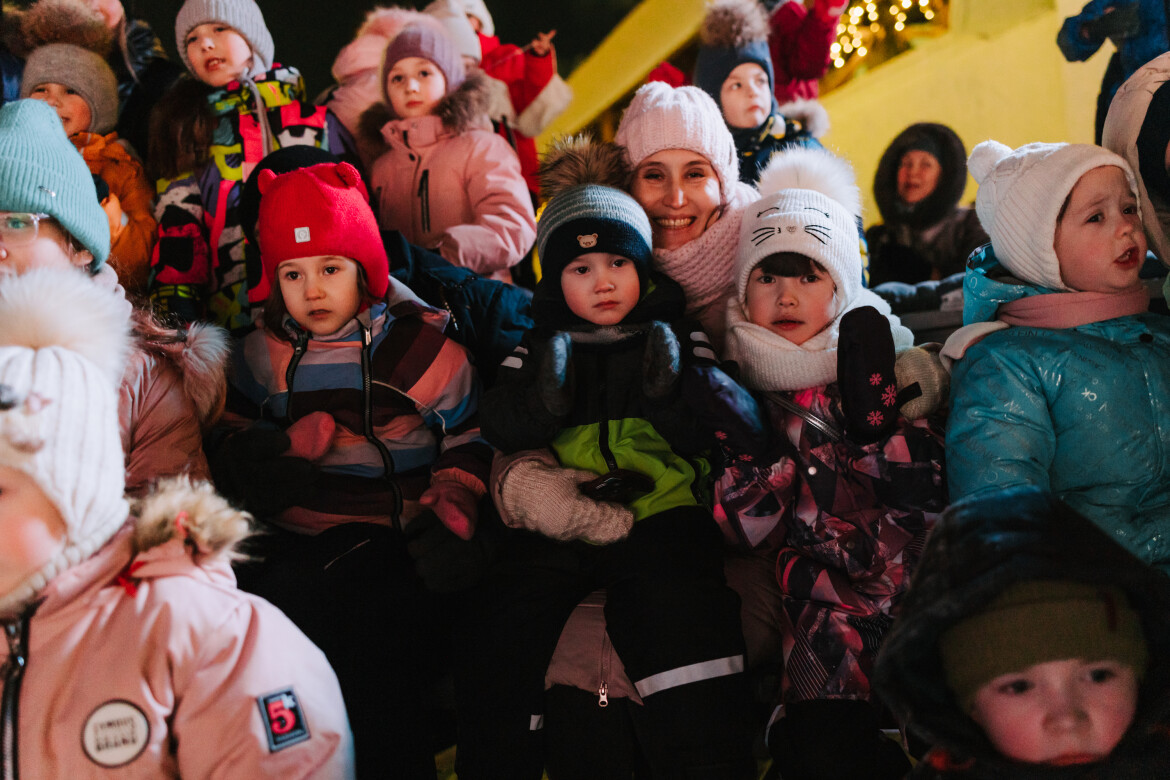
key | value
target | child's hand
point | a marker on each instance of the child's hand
(456, 506)
(542, 44)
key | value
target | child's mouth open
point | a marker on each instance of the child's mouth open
(1128, 258)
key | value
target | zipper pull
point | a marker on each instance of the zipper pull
(603, 695)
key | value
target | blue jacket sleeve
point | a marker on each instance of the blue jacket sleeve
(1075, 46)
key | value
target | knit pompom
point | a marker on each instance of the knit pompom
(984, 157)
(732, 24)
(575, 160)
(97, 325)
(812, 169)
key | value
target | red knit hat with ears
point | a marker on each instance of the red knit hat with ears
(320, 210)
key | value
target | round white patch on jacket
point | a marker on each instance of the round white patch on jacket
(115, 734)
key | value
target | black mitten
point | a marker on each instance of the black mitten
(445, 562)
(1117, 25)
(103, 189)
(555, 379)
(865, 374)
(250, 468)
(660, 361)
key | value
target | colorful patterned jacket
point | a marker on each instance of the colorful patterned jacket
(848, 521)
(198, 263)
(403, 398)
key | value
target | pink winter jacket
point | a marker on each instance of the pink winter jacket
(151, 664)
(461, 194)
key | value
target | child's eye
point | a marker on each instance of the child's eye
(70, 91)
(39, 90)
(190, 40)
(330, 269)
(811, 279)
(221, 28)
(1131, 209)
(1015, 687)
(1095, 218)
(618, 262)
(1101, 674)
(765, 279)
(292, 276)
(396, 79)
(580, 270)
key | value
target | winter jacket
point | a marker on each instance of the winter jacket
(848, 522)
(1079, 411)
(402, 395)
(799, 40)
(1146, 38)
(130, 206)
(787, 128)
(198, 263)
(536, 96)
(487, 316)
(138, 91)
(448, 185)
(932, 238)
(145, 661)
(974, 554)
(614, 422)
(11, 71)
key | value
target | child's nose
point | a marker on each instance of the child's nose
(1066, 713)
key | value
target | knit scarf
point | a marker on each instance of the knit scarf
(703, 266)
(1071, 309)
(771, 362)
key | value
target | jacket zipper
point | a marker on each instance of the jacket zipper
(17, 635)
(425, 200)
(603, 425)
(821, 424)
(603, 663)
(298, 353)
(368, 425)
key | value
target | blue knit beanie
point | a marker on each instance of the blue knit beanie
(41, 171)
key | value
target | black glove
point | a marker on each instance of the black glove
(1117, 25)
(445, 562)
(103, 189)
(249, 467)
(865, 374)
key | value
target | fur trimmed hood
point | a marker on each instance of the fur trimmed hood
(810, 113)
(56, 21)
(459, 111)
(179, 508)
(576, 160)
(951, 182)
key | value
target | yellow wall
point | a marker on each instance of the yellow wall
(997, 74)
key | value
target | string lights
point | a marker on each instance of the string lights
(867, 23)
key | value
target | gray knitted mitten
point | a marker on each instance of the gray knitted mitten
(545, 498)
(922, 366)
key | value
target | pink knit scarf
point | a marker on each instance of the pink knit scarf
(1068, 310)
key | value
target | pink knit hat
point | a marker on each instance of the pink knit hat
(421, 40)
(664, 117)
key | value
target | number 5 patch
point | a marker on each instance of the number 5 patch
(284, 720)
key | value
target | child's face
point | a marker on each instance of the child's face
(320, 292)
(746, 96)
(601, 287)
(415, 86)
(1099, 240)
(1058, 712)
(918, 174)
(71, 107)
(27, 242)
(31, 528)
(217, 53)
(679, 190)
(793, 307)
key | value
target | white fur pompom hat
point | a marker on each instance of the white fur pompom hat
(810, 205)
(59, 379)
(1021, 194)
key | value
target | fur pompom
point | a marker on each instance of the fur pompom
(576, 160)
(731, 24)
(65, 21)
(56, 307)
(802, 168)
(193, 511)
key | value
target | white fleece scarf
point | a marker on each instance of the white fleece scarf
(771, 362)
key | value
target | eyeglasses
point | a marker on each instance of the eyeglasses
(18, 228)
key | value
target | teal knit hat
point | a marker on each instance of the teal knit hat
(41, 171)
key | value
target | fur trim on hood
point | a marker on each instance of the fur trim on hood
(951, 182)
(194, 512)
(200, 353)
(59, 21)
(459, 111)
(731, 24)
(812, 169)
(575, 160)
(811, 115)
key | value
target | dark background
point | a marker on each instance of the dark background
(308, 33)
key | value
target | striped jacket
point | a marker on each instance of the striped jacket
(402, 399)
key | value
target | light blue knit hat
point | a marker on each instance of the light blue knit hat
(41, 171)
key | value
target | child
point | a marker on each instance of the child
(926, 233)
(205, 142)
(602, 379)
(443, 182)
(82, 88)
(735, 69)
(365, 412)
(845, 498)
(129, 648)
(1065, 389)
(1031, 645)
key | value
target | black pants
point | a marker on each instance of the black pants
(353, 591)
(671, 618)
